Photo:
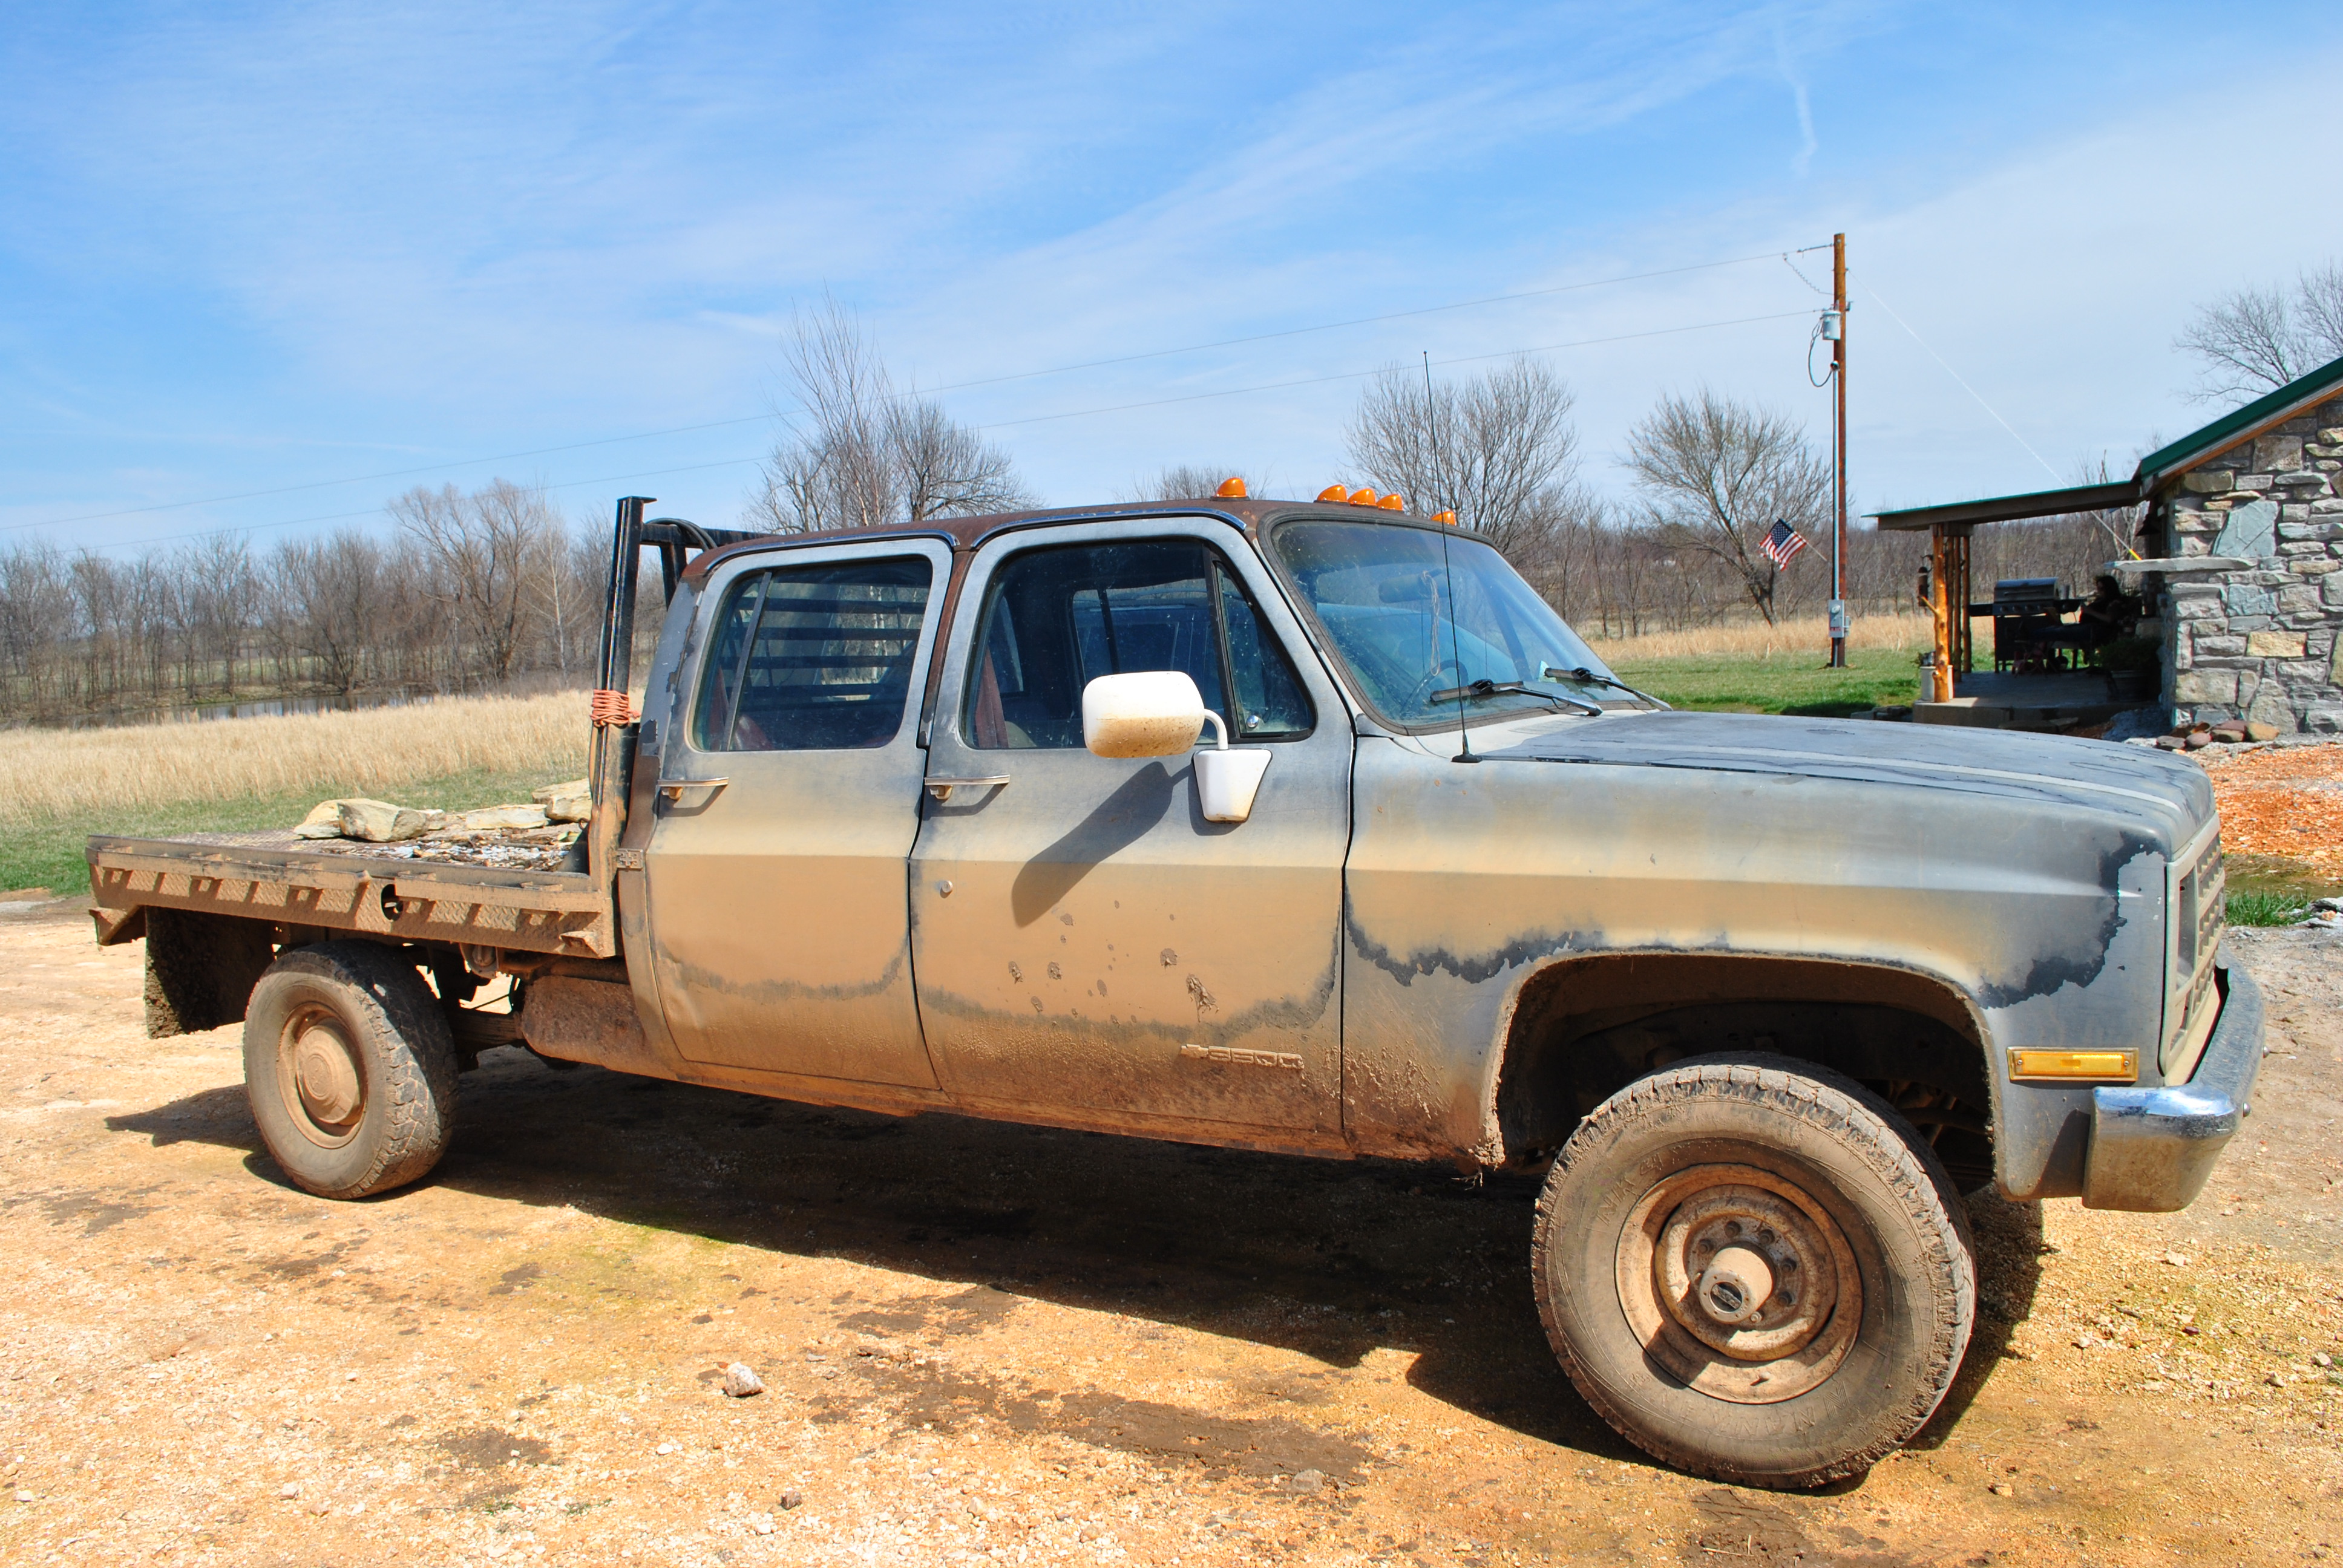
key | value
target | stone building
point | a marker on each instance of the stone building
(2240, 541)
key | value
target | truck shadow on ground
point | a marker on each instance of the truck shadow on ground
(1329, 1259)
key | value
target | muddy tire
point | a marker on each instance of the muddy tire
(350, 1069)
(1755, 1270)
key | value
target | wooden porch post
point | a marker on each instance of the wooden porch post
(1940, 611)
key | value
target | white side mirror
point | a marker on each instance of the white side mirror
(1146, 713)
(1160, 713)
(1227, 781)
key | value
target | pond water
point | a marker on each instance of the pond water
(257, 708)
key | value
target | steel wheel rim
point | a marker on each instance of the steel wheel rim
(320, 1078)
(1738, 1283)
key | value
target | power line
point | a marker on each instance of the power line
(1037, 418)
(1358, 375)
(1972, 391)
(949, 387)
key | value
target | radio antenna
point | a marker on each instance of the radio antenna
(1448, 570)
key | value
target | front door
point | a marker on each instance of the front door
(789, 804)
(1088, 948)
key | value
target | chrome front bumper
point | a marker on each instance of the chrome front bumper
(2153, 1148)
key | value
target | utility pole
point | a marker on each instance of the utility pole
(1838, 458)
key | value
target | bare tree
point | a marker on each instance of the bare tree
(1716, 475)
(864, 454)
(2253, 341)
(1190, 481)
(331, 592)
(477, 552)
(1499, 451)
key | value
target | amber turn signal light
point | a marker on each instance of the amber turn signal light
(2097, 1066)
(1335, 492)
(1231, 489)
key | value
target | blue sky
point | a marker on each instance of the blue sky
(255, 246)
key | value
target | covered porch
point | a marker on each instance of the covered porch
(2039, 673)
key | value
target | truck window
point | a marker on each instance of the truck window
(1058, 618)
(813, 659)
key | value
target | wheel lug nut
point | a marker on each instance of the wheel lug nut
(1732, 1227)
(1765, 1235)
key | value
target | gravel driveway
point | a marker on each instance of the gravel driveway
(992, 1343)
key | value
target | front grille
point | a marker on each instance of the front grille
(2197, 912)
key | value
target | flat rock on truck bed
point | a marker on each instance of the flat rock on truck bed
(1221, 822)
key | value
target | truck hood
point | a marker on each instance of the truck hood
(2159, 796)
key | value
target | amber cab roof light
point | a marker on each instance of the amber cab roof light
(1365, 496)
(1232, 488)
(1448, 518)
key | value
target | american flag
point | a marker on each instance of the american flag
(1783, 542)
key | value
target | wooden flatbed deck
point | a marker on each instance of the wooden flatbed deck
(337, 885)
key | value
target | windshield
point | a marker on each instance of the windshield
(1408, 624)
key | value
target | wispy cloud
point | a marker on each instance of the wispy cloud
(1804, 156)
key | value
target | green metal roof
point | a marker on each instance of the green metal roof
(2154, 469)
(2004, 509)
(2267, 410)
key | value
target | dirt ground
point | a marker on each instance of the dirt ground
(989, 1343)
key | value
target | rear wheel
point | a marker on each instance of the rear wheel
(1754, 1270)
(350, 1069)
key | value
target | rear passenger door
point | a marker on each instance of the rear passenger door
(788, 806)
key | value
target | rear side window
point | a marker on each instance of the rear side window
(813, 659)
(1056, 619)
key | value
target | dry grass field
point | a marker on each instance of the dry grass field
(47, 773)
(58, 787)
(1753, 640)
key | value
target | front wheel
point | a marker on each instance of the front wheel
(1754, 1271)
(350, 1069)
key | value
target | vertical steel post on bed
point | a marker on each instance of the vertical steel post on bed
(612, 757)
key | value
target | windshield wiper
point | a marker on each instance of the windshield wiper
(1481, 691)
(1593, 678)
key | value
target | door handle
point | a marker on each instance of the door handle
(673, 789)
(941, 788)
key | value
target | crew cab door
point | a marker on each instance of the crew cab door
(1088, 949)
(788, 805)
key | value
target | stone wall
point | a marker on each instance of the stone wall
(2261, 643)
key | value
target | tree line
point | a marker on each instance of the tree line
(470, 591)
(487, 589)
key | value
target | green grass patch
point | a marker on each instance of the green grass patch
(2277, 874)
(52, 853)
(1792, 683)
(2251, 908)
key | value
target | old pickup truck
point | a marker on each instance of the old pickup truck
(927, 819)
